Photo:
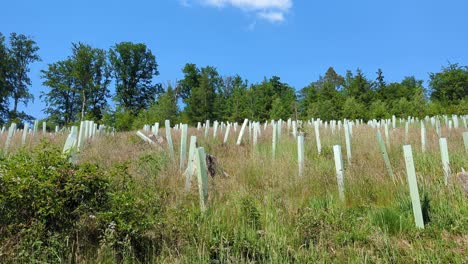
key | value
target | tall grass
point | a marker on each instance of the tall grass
(263, 212)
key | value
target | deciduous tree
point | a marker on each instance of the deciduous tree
(22, 52)
(134, 67)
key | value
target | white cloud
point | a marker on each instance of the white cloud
(282, 5)
(184, 3)
(270, 10)
(271, 16)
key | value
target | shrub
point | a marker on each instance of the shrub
(42, 195)
(51, 209)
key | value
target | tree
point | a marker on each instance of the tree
(237, 101)
(278, 110)
(359, 87)
(352, 109)
(331, 77)
(22, 52)
(402, 108)
(323, 98)
(62, 100)
(201, 101)
(78, 85)
(261, 99)
(380, 82)
(133, 67)
(328, 106)
(4, 88)
(264, 94)
(378, 110)
(91, 75)
(165, 108)
(449, 85)
(190, 81)
(308, 96)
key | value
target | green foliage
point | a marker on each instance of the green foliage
(123, 120)
(352, 109)
(134, 66)
(359, 87)
(3, 80)
(251, 213)
(15, 60)
(449, 85)
(237, 99)
(165, 108)
(200, 103)
(272, 98)
(278, 110)
(43, 195)
(78, 85)
(78, 89)
(378, 110)
(22, 52)
(62, 100)
(44, 199)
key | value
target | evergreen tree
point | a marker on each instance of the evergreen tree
(191, 80)
(237, 102)
(378, 110)
(353, 109)
(200, 103)
(380, 82)
(359, 87)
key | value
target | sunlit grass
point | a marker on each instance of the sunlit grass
(263, 212)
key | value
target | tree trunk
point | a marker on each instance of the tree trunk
(83, 106)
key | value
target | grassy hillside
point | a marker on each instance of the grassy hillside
(124, 201)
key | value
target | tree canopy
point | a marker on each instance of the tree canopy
(78, 87)
(133, 68)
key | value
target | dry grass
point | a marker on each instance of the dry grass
(299, 219)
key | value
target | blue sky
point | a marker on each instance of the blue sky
(296, 40)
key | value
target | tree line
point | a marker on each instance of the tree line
(78, 87)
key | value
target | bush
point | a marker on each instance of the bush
(50, 209)
(43, 194)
